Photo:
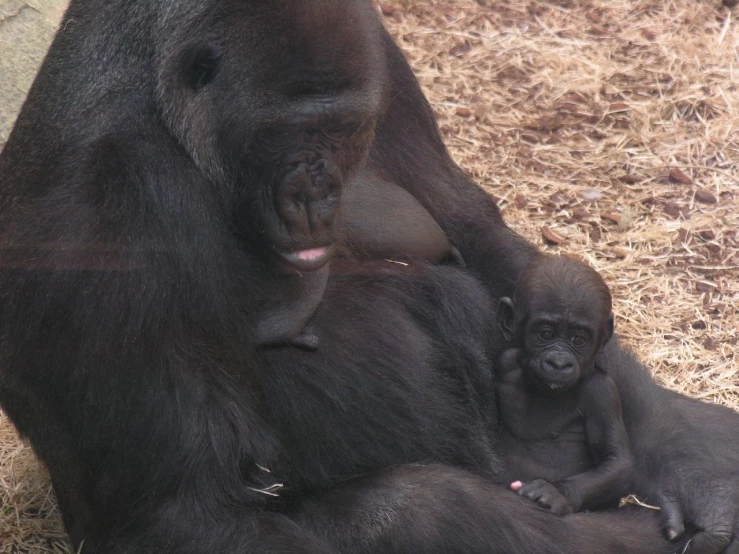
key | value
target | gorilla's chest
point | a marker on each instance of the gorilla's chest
(561, 453)
(365, 402)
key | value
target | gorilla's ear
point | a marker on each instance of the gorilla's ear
(609, 330)
(201, 66)
(506, 318)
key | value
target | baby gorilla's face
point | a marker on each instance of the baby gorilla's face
(559, 321)
(558, 348)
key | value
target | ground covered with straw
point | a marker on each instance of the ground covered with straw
(606, 130)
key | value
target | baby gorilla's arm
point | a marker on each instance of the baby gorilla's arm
(608, 442)
(513, 399)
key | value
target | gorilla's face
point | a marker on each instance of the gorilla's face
(276, 114)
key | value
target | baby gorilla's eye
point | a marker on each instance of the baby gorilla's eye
(546, 334)
(201, 67)
(577, 340)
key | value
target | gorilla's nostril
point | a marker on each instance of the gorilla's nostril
(553, 364)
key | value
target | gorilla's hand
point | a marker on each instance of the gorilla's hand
(686, 452)
(709, 504)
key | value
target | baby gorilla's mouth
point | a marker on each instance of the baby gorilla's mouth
(310, 259)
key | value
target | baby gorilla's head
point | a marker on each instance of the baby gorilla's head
(559, 318)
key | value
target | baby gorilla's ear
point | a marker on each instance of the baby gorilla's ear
(609, 330)
(506, 318)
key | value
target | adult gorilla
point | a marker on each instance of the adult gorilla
(171, 156)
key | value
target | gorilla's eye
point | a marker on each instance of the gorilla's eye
(546, 334)
(578, 341)
(201, 67)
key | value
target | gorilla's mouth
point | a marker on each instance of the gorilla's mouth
(311, 259)
(545, 380)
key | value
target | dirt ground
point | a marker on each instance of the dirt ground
(608, 130)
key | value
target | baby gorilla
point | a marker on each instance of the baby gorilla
(561, 421)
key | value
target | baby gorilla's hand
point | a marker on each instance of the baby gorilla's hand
(507, 367)
(544, 494)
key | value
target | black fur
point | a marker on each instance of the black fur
(379, 220)
(168, 153)
(561, 426)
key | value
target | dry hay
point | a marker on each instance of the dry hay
(615, 125)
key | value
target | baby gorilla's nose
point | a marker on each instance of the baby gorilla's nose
(558, 364)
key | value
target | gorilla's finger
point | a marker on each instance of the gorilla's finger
(707, 543)
(672, 517)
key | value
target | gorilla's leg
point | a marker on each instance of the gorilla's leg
(266, 533)
(438, 509)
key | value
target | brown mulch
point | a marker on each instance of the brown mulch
(608, 130)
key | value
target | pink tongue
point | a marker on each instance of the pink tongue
(312, 254)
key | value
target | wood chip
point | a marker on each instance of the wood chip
(593, 16)
(631, 179)
(550, 236)
(463, 112)
(620, 252)
(595, 233)
(710, 344)
(618, 107)
(576, 257)
(461, 48)
(677, 176)
(649, 34)
(705, 197)
(703, 286)
(611, 216)
(673, 209)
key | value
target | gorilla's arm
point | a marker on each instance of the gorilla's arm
(438, 509)
(608, 441)
(517, 413)
(686, 454)
(408, 150)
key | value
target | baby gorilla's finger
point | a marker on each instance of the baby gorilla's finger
(532, 491)
(672, 517)
(560, 506)
(546, 495)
